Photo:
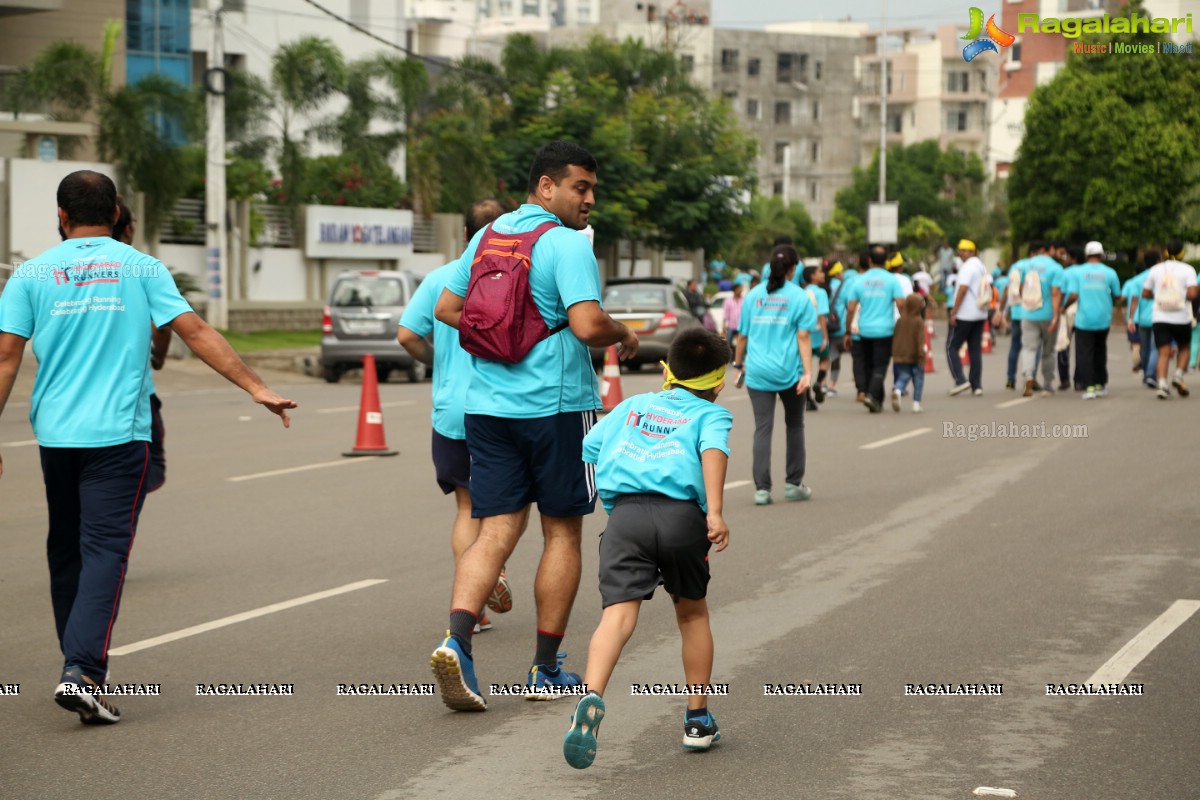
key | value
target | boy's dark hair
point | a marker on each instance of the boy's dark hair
(1036, 245)
(124, 220)
(89, 198)
(697, 351)
(1175, 248)
(556, 159)
(1150, 258)
(1077, 254)
(482, 213)
(878, 255)
(783, 259)
(782, 238)
(807, 273)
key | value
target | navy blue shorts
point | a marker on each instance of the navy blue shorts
(515, 462)
(451, 463)
(157, 474)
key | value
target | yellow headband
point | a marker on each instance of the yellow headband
(701, 383)
(896, 261)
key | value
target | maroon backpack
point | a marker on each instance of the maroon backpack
(500, 320)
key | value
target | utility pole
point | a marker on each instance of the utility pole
(214, 175)
(883, 70)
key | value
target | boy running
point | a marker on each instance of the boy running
(661, 461)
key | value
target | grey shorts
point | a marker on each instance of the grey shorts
(650, 540)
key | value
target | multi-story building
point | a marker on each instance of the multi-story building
(932, 92)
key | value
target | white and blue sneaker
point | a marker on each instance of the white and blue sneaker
(455, 674)
(547, 683)
(700, 734)
(579, 745)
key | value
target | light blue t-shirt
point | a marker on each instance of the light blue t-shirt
(556, 376)
(1067, 283)
(1050, 273)
(876, 291)
(1145, 308)
(770, 323)
(1097, 286)
(1015, 308)
(653, 443)
(451, 364)
(842, 298)
(822, 308)
(88, 305)
(1000, 285)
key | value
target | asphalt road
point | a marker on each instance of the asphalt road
(930, 560)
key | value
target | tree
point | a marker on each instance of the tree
(943, 185)
(1110, 149)
(841, 233)
(304, 73)
(767, 219)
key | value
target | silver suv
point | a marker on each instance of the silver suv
(363, 312)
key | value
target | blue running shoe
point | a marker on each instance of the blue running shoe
(579, 745)
(455, 674)
(545, 683)
(700, 734)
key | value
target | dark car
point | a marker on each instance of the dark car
(654, 308)
(363, 312)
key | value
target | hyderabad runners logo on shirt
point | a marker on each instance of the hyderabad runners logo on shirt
(995, 41)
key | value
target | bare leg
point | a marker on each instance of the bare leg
(615, 628)
(557, 579)
(1164, 364)
(466, 529)
(479, 567)
(692, 617)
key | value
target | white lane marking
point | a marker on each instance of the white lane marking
(26, 443)
(1120, 665)
(990, 791)
(340, 409)
(245, 615)
(894, 439)
(304, 468)
(1011, 403)
(736, 484)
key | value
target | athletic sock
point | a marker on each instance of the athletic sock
(462, 625)
(546, 654)
(697, 713)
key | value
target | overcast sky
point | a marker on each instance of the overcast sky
(901, 13)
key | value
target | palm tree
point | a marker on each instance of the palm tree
(304, 73)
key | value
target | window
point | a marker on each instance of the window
(753, 66)
(781, 149)
(687, 62)
(1014, 52)
(485, 8)
(752, 108)
(958, 81)
(816, 152)
(956, 120)
(817, 70)
(816, 110)
(783, 67)
(783, 113)
(531, 8)
(506, 8)
(894, 121)
(730, 95)
(729, 60)
(778, 188)
(814, 191)
(158, 26)
(583, 13)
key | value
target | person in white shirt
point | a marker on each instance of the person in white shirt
(967, 318)
(922, 281)
(1171, 284)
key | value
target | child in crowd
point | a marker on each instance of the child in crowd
(908, 352)
(661, 461)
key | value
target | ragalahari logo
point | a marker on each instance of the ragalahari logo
(995, 40)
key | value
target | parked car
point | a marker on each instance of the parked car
(654, 308)
(363, 312)
(716, 307)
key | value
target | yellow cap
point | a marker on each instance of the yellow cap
(966, 244)
(895, 261)
(836, 269)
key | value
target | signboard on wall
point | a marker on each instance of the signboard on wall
(357, 233)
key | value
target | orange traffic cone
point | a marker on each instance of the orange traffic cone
(987, 336)
(610, 387)
(370, 440)
(929, 346)
(963, 355)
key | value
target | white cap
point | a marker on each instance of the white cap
(1093, 249)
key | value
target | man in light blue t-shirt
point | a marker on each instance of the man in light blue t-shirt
(1140, 320)
(89, 304)
(451, 373)
(525, 423)
(1039, 316)
(873, 299)
(1094, 287)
